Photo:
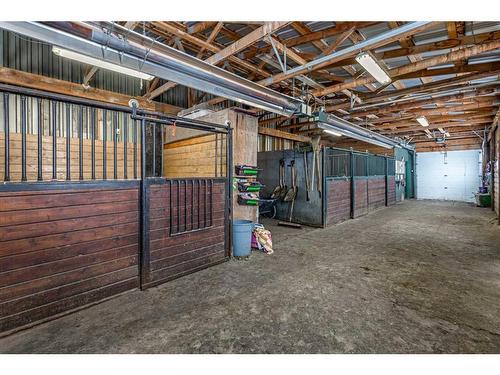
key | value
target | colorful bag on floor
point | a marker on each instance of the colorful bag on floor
(263, 239)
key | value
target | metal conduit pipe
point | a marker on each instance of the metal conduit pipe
(331, 122)
(139, 52)
(464, 90)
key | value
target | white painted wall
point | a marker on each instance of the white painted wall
(452, 175)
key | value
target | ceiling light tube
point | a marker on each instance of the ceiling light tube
(100, 63)
(423, 121)
(371, 66)
(337, 134)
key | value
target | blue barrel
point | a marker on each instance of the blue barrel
(242, 237)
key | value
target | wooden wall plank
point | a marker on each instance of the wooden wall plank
(64, 248)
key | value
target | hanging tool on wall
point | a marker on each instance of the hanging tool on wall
(290, 197)
(316, 167)
(306, 175)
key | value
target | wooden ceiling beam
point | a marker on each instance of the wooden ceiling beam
(199, 27)
(419, 65)
(221, 53)
(339, 28)
(283, 76)
(39, 82)
(427, 47)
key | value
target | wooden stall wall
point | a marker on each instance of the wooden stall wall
(376, 192)
(338, 200)
(360, 196)
(63, 246)
(391, 190)
(186, 228)
(199, 156)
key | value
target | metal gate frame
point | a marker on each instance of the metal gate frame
(157, 119)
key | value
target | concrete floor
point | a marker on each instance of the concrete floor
(420, 277)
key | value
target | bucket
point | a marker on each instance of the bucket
(242, 237)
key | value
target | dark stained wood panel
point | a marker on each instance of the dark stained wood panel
(62, 249)
(338, 200)
(186, 228)
(360, 196)
(376, 192)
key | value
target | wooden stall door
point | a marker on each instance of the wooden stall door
(186, 227)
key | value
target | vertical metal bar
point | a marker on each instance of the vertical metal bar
(221, 152)
(143, 149)
(125, 140)
(92, 150)
(211, 201)
(367, 179)
(54, 140)
(39, 139)
(216, 150)
(205, 204)
(162, 127)
(192, 204)
(135, 147)
(154, 148)
(178, 205)
(228, 211)
(171, 211)
(23, 138)
(80, 143)
(104, 143)
(198, 206)
(353, 185)
(386, 169)
(7, 135)
(185, 205)
(115, 145)
(68, 141)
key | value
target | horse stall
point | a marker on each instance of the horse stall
(349, 184)
(85, 213)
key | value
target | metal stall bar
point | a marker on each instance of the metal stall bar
(125, 140)
(93, 136)
(353, 186)
(104, 143)
(68, 141)
(154, 149)
(115, 145)
(7, 136)
(80, 143)
(144, 225)
(386, 169)
(23, 139)
(54, 140)
(39, 140)
(135, 147)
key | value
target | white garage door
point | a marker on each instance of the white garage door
(452, 175)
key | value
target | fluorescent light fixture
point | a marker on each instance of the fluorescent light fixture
(428, 133)
(423, 121)
(100, 63)
(371, 66)
(442, 130)
(447, 134)
(332, 132)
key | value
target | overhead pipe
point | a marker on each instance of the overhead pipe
(127, 48)
(349, 51)
(328, 121)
